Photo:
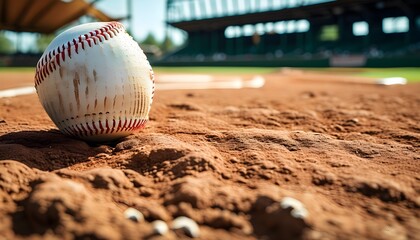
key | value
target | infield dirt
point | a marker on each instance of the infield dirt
(225, 158)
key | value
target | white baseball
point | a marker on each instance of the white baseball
(95, 82)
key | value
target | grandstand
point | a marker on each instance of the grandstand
(296, 32)
(42, 16)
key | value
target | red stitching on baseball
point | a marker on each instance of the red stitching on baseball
(89, 128)
(69, 50)
(101, 127)
(75, 130)
(87, 132)
(46, 63)
(134, 124)
(113, 125)
(106, 126)
(81, 130)
(95, 128)
(44, 72)
(125, 123)
(119, 125)
(76, 48)
(57, 59)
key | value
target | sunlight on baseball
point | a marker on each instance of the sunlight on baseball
(95, 82)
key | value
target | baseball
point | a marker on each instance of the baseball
(95, 82)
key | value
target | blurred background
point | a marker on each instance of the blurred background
(264, 33)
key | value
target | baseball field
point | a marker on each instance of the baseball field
(224, 147)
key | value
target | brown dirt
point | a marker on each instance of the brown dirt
(225, 158)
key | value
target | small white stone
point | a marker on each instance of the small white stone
(160, 227)
(298, 209)
(189, 226)
(76, 187)
(134, 215)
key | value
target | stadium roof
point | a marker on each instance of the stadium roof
(44, 16)
(322, 10)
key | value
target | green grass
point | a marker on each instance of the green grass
(216, 70)
(411, 74)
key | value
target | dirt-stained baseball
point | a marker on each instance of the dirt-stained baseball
(95, 82)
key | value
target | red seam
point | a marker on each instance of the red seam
(89, 128)
(106, 126)
(95, 128)
(75, 130)
(76, 48)
(125, 123)
(81, 130)
(119, 125)
(134, 124)
(101, 127)
(113, 125)
(69, 49)
(45, 62)
(44, 70)
(140, 125)
(129, 124)
(89, 42)
(57, 59)
(85, 132)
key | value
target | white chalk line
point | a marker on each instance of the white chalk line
(204, 83)
(175, 78)
(14, 92)
(329, 77)
(173, 82)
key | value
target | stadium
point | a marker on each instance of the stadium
(231, 119)
(297, 33)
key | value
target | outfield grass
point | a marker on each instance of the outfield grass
(411, 74)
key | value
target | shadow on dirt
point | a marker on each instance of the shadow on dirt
(44, 150)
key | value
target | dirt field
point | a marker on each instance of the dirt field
(225, 158)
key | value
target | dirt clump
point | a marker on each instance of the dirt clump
(226, 159)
